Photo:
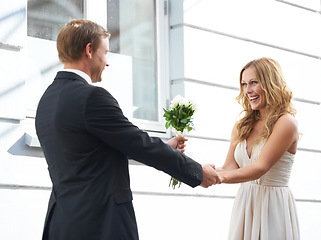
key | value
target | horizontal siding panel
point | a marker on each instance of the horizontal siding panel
(13, 24)
(147, 180)
(173, 213)
(309, 215)
(217, 109)
(290, 27)
(305, 181)
(24, 170)
(43, 64)
(218, 59)
(13, 74)
(21, 164)
(309, 116)
(311, 4)
(211, 151)
(207, 150)
(23, 213)
(188, 218)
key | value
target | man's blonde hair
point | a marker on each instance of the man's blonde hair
(75, 35)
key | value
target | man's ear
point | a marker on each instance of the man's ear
(89, 50)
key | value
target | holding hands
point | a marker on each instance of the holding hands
(210, 176)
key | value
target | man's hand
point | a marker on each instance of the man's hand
(178, 142)
(210, 176)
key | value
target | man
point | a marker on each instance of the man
(87, 140)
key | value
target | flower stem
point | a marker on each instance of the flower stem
(174, 182)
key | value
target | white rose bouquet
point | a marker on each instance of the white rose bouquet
(179, 116)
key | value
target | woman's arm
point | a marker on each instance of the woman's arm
(284, 135)
(230, 163)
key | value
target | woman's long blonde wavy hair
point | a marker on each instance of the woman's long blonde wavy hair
(278, 99)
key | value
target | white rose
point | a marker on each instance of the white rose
(184, 102)
(176, 101)
(193, 103)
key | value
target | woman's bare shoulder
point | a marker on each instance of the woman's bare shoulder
(287, 124)
(288, 119)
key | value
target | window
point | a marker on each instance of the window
(45, 18)
(135, 76)
(133, 28)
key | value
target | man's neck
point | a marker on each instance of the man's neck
(80, 65)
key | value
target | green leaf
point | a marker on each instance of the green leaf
(184, 120)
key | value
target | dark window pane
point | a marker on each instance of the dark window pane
(45, 18)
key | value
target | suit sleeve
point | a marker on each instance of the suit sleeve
(105, 120)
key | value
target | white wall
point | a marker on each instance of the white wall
(210, 41)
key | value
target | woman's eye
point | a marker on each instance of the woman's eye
(243, 84)
(254, 82)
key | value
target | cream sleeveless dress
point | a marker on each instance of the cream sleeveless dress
(264, 209)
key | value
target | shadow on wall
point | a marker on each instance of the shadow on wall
(20, 148)
(11, 22)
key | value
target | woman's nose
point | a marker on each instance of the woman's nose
(248, 89)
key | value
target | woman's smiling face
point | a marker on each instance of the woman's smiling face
(252, 90)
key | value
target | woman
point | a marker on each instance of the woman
(260, 156)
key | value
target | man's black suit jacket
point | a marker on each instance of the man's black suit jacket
(86, 141)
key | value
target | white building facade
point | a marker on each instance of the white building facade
(195, 48)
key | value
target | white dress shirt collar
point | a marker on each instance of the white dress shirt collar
(80, 73)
